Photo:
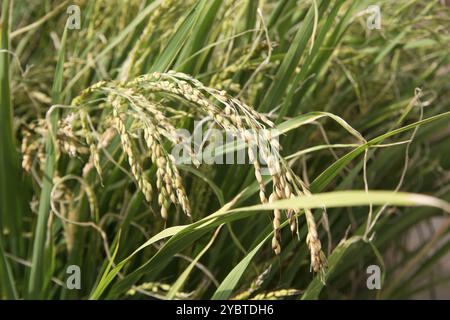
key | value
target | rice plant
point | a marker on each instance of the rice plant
(224, 149)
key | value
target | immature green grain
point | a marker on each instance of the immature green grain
(277, 295)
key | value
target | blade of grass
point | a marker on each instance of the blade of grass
(186, 61)
(339, 253)
(227, 286)
(36, 285)
(99, 287)
(109, 274)
(178, 285)
(7, 284)
(114, 43)
(301, 76)
(321, 60)
(11, 191)
(291, 60)
(178, 39)
(194, 231)
(332, 171)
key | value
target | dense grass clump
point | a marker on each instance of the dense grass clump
(344, 129)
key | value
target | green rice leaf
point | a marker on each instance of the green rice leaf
(36, 285)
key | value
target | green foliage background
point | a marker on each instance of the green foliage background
(288, 59)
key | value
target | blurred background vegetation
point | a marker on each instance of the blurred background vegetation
(284, 58)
